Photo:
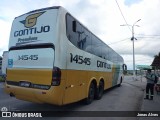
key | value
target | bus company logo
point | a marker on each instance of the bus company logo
(31, 20)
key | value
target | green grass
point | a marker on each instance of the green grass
(1, 79)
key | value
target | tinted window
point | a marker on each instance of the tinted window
(96, 45)
(70, 34)
(85, 40)
(105, 51)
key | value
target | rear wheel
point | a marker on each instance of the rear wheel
(91, 94)
(100, 89)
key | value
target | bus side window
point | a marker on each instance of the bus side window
(96, 46)
(88, 43)
(72, 36)
(74, 26)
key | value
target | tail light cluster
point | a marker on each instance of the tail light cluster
(56, 76)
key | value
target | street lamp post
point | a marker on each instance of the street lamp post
(133, 38)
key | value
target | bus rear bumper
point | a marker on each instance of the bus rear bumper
(34, 95)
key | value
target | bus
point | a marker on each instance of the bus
(55, 59)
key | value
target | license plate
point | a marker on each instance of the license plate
(25, 84)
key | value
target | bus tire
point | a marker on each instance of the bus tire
(99, 91)
(120, 82)
(91, 94)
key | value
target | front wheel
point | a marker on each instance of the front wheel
(91, 93)
(120, 82)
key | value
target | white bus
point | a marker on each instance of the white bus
(54, 59)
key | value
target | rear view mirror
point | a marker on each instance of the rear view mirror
(74, 26)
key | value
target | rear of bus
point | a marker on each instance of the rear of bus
(33, 74)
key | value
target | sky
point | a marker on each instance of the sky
(104, 18)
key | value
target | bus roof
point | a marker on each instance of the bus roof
(48, 8)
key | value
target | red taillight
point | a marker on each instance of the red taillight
(56, 76)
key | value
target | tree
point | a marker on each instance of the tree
(156, 61)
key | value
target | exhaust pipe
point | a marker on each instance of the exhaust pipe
(12, 95)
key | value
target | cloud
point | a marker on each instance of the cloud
(10, 10)
(4, 35)
(103, 18)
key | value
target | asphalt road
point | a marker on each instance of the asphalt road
(128, 97)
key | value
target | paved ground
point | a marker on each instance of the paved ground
(148, 106)
(128, 97)
(153, 107)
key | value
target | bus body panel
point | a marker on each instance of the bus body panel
(35, 76)
(78, 82)
(75, 90)
(54, 95)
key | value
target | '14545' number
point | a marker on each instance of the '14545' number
(28, 57)
(80, 59)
